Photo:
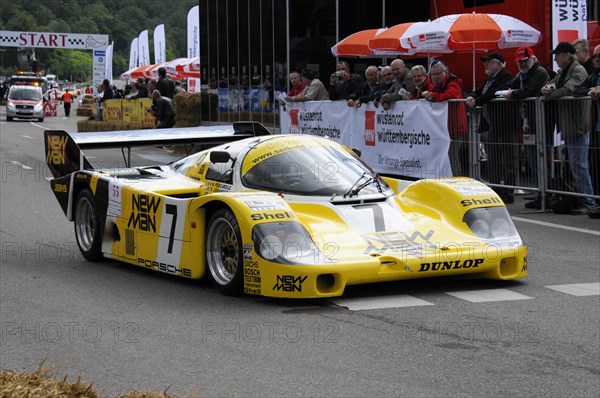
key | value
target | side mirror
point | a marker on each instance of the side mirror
(219, 157)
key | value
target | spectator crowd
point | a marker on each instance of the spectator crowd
(500, 127)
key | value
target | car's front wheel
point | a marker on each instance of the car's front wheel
(9, 119)
(87, 226)
(224, 252)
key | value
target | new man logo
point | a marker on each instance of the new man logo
(56, 149)
(143, 214)
(370, 128)
(289, 283)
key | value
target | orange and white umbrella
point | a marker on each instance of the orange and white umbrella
(470, 32)
(389, 41)
(190, 69)
(183, 67)
(152, 72)
(357, 45)
(140, 71)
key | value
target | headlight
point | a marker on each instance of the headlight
(38, 107)
(10, 105)
(285, 243)
(271, 247)
(491, 223)
(480, 228)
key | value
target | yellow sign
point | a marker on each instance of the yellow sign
(129, 111)
(134, 111)
(113, 111)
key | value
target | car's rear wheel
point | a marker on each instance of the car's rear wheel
(87, 226)
(224, 252)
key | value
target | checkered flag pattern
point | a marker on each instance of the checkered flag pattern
(76, 42)
(9, 39)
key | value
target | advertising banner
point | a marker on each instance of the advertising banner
(108, 67)
(411, 139)
(113, 111)
(133, 54)
(74, 41)
(98, 67)
(569, 22)
(193, 43)
(160, 48)
(134, 111)
(143, 49)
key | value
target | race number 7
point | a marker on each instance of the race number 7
(172, 210)
(377, 214)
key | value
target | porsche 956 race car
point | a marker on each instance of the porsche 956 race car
(277, 215)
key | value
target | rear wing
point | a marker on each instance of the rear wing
(64, 153)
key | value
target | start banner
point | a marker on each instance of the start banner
(81, 41)
(411, 139)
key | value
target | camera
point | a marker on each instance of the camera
(338, 73)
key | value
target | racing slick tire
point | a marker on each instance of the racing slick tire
(224, 253)
(87, 226)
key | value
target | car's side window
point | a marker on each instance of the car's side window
(221, 172)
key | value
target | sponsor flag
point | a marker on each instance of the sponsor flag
(143, 49)
(193, 43)
(108, 67)
(160, 49)
(133, 54)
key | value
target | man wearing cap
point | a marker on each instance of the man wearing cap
(573, 120)
(527, 84)
(490, 122)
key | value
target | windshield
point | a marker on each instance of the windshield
(307, 168)
(25, 95)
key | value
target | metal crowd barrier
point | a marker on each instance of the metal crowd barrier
(525, 145)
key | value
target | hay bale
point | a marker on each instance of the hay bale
(87, 106)
(192, 108)
(92, 125)
(86, 111)
(39, 384)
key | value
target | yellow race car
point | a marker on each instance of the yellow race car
(277, 215)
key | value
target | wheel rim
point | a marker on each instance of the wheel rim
(222, 251)
(85, 224)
